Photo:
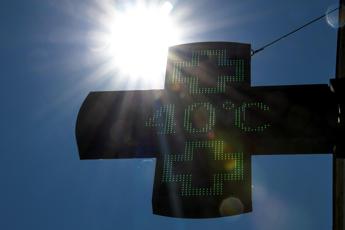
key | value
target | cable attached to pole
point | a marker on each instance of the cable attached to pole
(292, 32)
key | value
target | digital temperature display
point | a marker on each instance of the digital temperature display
(203, 128)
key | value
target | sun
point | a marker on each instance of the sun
(136, 42)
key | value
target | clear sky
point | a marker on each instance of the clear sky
(47, 69)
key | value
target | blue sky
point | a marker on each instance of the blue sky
(45, 76)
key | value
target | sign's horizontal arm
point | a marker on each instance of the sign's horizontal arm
(261, 120)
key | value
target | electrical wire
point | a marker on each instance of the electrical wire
(292, 32)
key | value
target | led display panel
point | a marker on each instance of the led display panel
(203, 128)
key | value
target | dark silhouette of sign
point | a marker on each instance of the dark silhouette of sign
(204, 126)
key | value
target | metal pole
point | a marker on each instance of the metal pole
(338, 164)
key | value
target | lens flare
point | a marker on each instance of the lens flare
(332, 16)
(231, 206)
(230, 165)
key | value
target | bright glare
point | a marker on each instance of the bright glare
(137, 43)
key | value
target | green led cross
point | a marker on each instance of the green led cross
(213, 59)
(234, 171)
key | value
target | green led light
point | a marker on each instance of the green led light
(218, 180)
(240, 117)
(228, 105)
(192, 82)
(163, 119)
(188, 114)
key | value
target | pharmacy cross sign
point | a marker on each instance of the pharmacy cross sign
(204, 126)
